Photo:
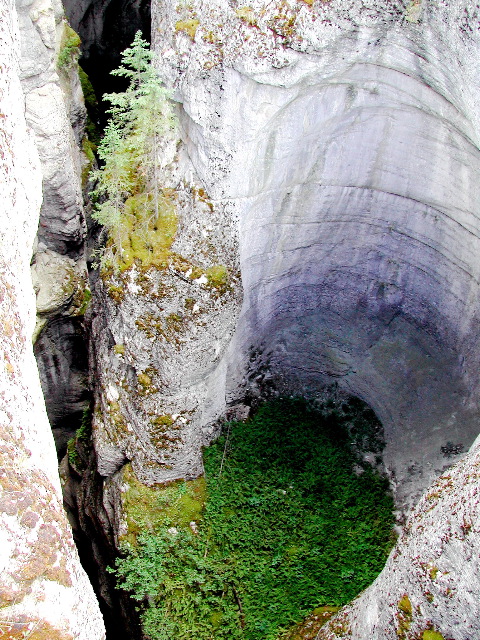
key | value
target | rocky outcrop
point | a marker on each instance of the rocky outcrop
(430, 582)
(346, 148)
(52, 96)
(158, 336)
(43, 590)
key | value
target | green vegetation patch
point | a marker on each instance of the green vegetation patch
(79, 445)
(188, 26)
(69, 48)
(294, 521)
(151, 510)
(93, 112)
(147, 234)
(432, 635)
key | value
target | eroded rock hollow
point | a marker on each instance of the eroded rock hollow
(346, 146)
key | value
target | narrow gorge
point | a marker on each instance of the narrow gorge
(318, 239)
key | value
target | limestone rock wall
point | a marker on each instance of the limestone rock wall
(55, 112)
(43, 590)
(49, 106)
(343, 137)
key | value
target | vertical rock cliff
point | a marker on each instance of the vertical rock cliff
(56, 114)
(44, 591)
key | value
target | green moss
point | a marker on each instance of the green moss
(148, 509)
(432, 635)
(145, 237)
(116, 293)
(405, 605)
(73, 456)
(164, 421)
(404, 616)
(188, 26)
(217, 277)
(93, 113)
(69, 48)
(84, 433)
(144, 380)
(433, 572)
(87, 296)
(78, 446)
(119, 349)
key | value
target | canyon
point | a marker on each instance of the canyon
(324, 172)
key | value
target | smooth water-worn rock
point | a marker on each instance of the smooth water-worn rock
(55, 111)
(346, 146)
(44, 592)
(52, 95)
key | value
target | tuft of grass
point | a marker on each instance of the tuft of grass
(69, 48)
(287, 527)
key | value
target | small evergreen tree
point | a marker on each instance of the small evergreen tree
(140, 119)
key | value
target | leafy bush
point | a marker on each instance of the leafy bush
(288, 526)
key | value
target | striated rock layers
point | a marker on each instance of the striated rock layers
(44, 592)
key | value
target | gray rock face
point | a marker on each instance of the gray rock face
(56, 113)
(62, 365)
(344, 139)
(347, 150)
(158, 337)
(48, 108)
(44, 592)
